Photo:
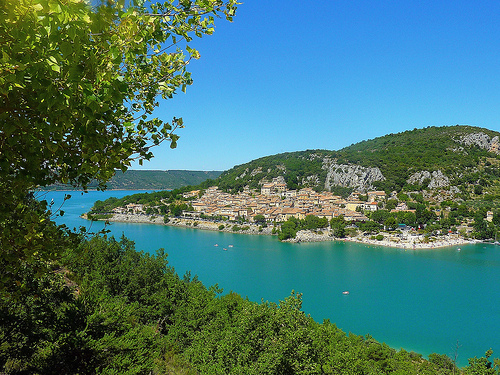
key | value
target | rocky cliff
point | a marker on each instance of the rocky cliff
(350, 175)
(481, 140)
(433, 180)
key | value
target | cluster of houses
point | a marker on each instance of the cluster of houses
(276, 203)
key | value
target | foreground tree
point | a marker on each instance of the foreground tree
(78, 87)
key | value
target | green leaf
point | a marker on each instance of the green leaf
(66, 48)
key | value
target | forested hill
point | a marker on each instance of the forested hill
(432, 157)
(153, 180)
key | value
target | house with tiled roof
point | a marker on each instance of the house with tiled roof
(267, 189)
(370, 206)
(283, 214)
(352, 205)
(376, 196)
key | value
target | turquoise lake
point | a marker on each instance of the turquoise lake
(424, 301)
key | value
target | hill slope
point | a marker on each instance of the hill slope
(153, 180)
(433, 157)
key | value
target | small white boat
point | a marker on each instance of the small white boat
(230, 246)
(216, 245)
(345, 292)
(224, 248)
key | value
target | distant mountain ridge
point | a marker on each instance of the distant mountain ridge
(153, 179)
(418, 159)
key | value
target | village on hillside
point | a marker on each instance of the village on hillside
(276, 204)
(401, 220)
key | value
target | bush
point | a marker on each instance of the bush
(379, 237)
(99, 216)
(221, 227)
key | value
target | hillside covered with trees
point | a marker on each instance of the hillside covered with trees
(150, 180)
(108, 309)
(465, 155)
(78, 88)
(440, 179)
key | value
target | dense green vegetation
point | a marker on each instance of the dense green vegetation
(98, 73)
(290, 227)
(159, 202)
(397, 156)
(107, 309)
(76, 305)
(293, 166)
(150, 180)
(432, 148)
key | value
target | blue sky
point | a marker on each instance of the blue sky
(296, 75)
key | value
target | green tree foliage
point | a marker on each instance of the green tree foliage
(423, 215)
(295, 167)
(290, 227)
(370, 226)
(114, 310)
(338, 225)
(178, 209)
(391, 204)
(78, 86)
(390, 223)
(482, 229)
(398, 156)
(312, 222)
(408, 218)
(150, 180)
(379, 216)
(29, 238)
(483, 365)
(259, 219)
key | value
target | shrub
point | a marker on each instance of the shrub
(99, 216)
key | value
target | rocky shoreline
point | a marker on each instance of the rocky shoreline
(412, 243)
(188, 223)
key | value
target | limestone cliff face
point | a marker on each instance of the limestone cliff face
(437, 179)
(351, 175)
(482, 140)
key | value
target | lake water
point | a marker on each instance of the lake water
(424, 300)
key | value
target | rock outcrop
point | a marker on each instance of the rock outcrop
(481, 140)
(437, 179)
(351, 175)
(312, 180)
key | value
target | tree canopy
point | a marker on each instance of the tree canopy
(78, 88)
(78, 85)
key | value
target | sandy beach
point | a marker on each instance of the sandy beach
(409, 241)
